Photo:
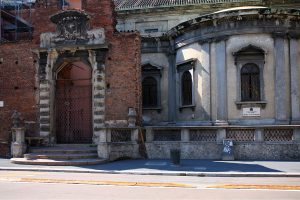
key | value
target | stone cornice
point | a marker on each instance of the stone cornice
(219, 26)
(215, 19)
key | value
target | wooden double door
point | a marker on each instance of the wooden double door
(73, 104)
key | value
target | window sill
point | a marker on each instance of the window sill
(262, 104)
(187, 106)
(158, 109)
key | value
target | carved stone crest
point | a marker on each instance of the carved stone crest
(71, 25)
(72, 29)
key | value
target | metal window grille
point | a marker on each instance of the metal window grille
(149, 92)
(167, 135)
(186, 89)
(205, 135)
(240, 135)
(278, 135)
(250, 83)
(120, 135)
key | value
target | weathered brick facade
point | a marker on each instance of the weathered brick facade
(123, 77)
(17, 87)
(19, 83)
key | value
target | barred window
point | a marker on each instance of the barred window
(250, 83)
(186, 89)
(149, 85)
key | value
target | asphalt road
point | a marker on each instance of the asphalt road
(53, 185)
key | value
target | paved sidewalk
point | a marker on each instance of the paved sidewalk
(186, 168)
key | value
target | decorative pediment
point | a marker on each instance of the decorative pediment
(248, 50)
(186, 64)
(72, 29)
(149, 66)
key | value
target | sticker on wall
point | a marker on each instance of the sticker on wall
(251, 112)
(1, 104)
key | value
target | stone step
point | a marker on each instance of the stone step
(57, 156)
(63, 150)
(51, 162)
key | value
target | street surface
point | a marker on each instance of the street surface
(57, 185)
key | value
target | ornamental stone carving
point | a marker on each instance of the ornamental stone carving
(72, 29)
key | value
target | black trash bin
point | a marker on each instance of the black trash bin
(175, 156)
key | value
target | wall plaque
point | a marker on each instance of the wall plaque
(1, 104)
(251, 112)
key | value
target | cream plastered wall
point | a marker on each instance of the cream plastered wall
(160, 59)
(201, 82)
(234, 44)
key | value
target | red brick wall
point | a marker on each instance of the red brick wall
(17, 87)
(102, 15)
(123, 75)
(18, 84)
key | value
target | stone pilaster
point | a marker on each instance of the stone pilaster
(295, 82)
(296, 135)
(97, 59)
(171, 84)
(282, 92)
(134, 135)
(221, 135)
(149, 134)
(259, 135)
(206, 75)
(44, 104)
(221, 83)
(185, 135)
(44, 95)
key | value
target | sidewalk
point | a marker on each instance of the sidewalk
(164, 167)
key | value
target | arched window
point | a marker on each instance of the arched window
(149, 85)
(250, 82)
(186, 89)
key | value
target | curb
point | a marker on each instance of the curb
(198, 174)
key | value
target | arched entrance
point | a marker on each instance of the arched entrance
(73, 103)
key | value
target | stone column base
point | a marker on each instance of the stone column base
(18, 150)
(103, 150)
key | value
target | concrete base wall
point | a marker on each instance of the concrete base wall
(114, 151)
(265, 151)
(211, 150)
(119, 151)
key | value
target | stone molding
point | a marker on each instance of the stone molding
(221, 25)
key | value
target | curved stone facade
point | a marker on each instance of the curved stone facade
(244, 71)
(213, 42)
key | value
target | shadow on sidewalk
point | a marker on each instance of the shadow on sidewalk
(186, 165)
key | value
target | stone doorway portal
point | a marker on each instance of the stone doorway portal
(71, 64)
(73, 103)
